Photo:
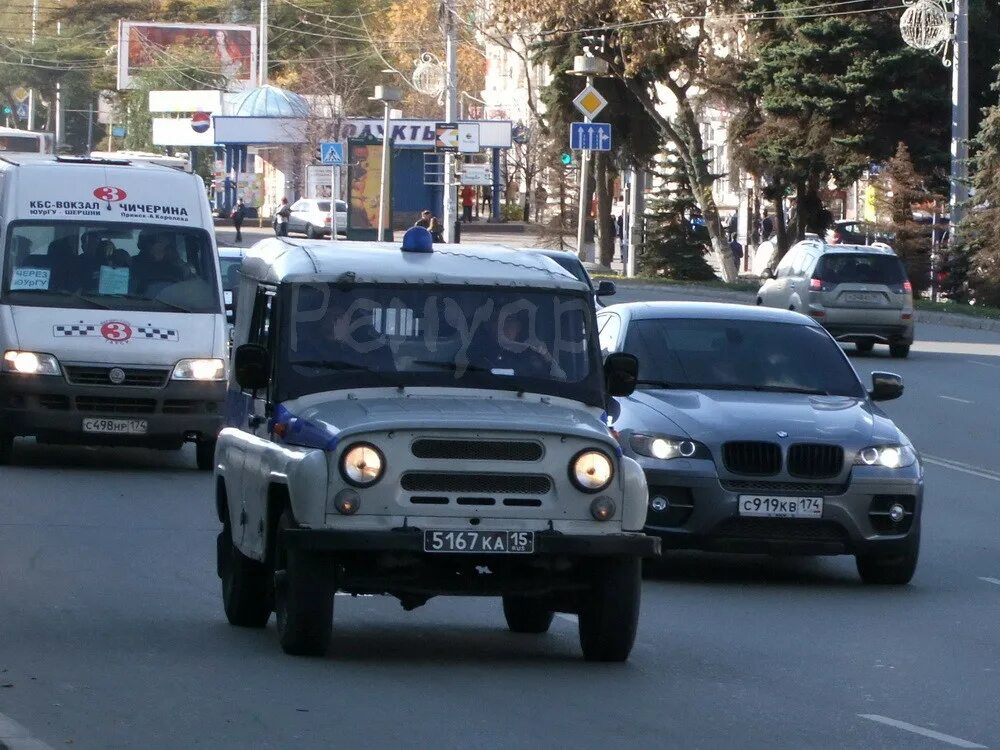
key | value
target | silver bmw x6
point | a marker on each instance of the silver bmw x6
(756, 435)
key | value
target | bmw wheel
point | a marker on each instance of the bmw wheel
(896, 570)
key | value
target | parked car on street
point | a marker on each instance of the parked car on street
(311, 217)
(419, 423)
(860, 294)
(757, 436)
(572, 263)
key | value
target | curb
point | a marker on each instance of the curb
(934, 317)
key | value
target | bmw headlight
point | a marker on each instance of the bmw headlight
(887, 456)
(200, 369)
(591, 471)
(30, 363)
(666, 448)
(362, 464)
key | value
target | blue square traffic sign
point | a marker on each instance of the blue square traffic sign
(590, 136)
(331, 153)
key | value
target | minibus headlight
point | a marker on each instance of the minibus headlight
(200, 369)
(30, 363)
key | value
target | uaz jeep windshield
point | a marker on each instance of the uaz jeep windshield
(539, 341)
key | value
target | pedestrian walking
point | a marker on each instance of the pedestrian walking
(238, 214)
(732, 227)
(541, 195)
(468, 201)
(281, 218)
(622, 238)
(486, 200)
(766, 227)
(737, 250)
(430, 222)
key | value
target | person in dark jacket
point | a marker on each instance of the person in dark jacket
(238, 215)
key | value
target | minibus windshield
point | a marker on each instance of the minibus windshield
(110, 266)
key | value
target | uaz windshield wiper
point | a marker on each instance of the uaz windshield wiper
(333, 364)
(468, 367)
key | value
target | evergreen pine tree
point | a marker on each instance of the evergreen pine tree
(671, 248)
(980, 230)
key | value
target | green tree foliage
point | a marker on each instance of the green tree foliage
(671, 248)
(980, 231)
(827, 96)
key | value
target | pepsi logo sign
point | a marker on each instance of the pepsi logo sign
(201, 122)
(116, 331)
(110, 194)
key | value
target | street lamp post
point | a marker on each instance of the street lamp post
(589, 67)
(388, 95)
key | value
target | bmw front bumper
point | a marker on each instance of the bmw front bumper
(702, 512)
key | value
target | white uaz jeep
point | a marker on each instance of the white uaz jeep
(415, 423)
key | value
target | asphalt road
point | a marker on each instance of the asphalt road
(112, 633)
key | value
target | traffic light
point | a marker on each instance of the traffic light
(566, 158)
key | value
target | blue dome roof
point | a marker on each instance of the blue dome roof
(269, 101)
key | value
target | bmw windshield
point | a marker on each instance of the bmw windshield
(751, 355)
(496, 338)
(111, 267)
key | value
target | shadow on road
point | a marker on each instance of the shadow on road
(29, 454)
(717, 568)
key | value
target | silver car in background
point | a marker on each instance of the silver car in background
(756, 435)
(311, 217)
(859, 293)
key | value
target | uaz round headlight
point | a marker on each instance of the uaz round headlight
(362, 464)
(591, 471)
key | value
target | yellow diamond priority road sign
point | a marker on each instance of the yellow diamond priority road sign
(590, 102)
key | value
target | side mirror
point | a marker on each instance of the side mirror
(767, 274)
(606, 288)
(621, 371)
(886, 386)
(251, 367)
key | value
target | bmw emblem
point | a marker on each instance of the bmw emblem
(782, 434)
(116, 375)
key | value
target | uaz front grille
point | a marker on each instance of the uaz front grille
(815, 461)
(142, 377)
(752, 457)
(477, 450)
(450, 482)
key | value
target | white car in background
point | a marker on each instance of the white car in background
(311, 217)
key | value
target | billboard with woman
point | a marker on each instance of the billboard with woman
(228, 49)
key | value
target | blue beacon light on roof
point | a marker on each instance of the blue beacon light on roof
(417, 240)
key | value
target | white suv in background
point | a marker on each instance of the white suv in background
(311, 217)
(859, 293)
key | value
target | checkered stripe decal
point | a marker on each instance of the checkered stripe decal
(80, 329)
(159, 334)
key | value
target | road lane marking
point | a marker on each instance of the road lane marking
(984, 364)
(947, 463)
(952, 398)
(15, 737)
(990, 580)
(930, 733)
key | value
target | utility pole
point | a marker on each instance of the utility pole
(450, 110)
(31, 92)
(959, 116)
(60, 127)
(262, 55)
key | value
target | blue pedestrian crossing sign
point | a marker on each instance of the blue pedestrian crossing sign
(331, 154)
(590, 136)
